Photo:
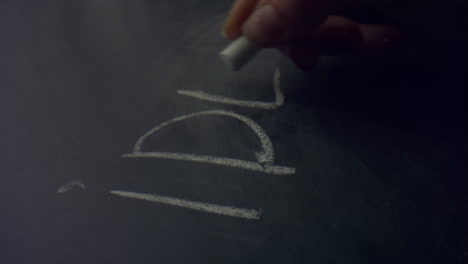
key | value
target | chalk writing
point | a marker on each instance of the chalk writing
(199, 206)
(66, 187)
(279, 97)
(265, 157)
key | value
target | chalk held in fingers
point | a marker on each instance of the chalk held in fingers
(238, 53)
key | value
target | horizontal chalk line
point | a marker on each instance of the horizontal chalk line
(226, 100)
(243, 164)
(199, 206)
(279, 97)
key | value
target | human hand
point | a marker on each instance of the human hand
(303, 30)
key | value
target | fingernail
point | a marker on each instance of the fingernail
(264, 26)
(230, 34)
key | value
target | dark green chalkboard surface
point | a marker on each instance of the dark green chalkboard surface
(124, 139)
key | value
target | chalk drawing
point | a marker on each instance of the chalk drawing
(265, 158)
(66, 187)
(279, 97)
(199, 206)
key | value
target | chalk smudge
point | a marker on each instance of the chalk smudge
(66, 187)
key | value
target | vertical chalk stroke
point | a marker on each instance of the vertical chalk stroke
(199, 206)
(66, 187)
(279, 97)
(265, 158)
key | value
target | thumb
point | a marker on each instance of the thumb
(276, 21)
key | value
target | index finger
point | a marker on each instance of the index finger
(238, 14)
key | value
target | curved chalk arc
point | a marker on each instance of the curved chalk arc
(265, 158)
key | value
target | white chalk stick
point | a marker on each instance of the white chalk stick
(238, 53)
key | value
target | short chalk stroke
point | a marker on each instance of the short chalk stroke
(265, 158)
(199, 206)
(66, 187)
(279, 97)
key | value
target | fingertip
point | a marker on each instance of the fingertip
(264, 27)
(238, 14)
(232, 34)
(301, 15)
(382, 39)
(338, 36)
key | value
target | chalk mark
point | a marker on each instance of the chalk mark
(265, 157)
(279, 96)
(229, 162)
(199, 206)
(66, 187)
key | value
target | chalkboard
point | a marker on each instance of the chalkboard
(124, 139)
